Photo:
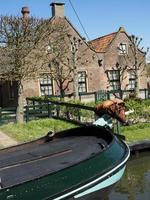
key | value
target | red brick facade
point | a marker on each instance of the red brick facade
(103, 49)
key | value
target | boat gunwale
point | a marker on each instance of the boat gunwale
(70, 166)
(42, 139)
(82, 187)
(97, 178)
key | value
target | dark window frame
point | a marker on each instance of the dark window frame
(131, 85)
(114, 79)
(46, 85)
(122, 50)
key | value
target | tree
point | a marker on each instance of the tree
(25, 53)
(59, 57)
(31, 47)
(64, 59)
(133, 61)
(148, 69)
(75, 44)
(18, 37)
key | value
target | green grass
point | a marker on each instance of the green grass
(37, 128)
(137, 132)
(34, 129)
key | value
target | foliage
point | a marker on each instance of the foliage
(18, 38)
(70, 112)
(35, 129)
(38, 128)
(140, 107)
(28, 51)
(141, 110)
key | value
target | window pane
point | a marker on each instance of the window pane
(114, 85)
(123, 48)
(82, 81)
(114, 78)
(114, 74)
(46, 86)
(132, 74)
(131, 79)
(131, 84)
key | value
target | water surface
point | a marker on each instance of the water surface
(135, 184)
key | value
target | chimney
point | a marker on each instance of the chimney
(121, 29)
(25, 12)
(57, 9)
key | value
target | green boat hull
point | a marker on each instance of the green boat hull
(77, 180)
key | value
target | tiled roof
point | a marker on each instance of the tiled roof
(101, 43)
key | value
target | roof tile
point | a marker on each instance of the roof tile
(101, 43)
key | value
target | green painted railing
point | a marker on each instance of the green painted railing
(7, 114)
(60, 110)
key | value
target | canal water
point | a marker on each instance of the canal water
(135, 184)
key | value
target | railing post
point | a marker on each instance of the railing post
(27, 113)
(95, 94)
(33, 102)
(67, 112)
(57, 111)
(118, 128)
(79, 117)
(49, 110)
(146, 96)
(0, 114)
(108, 94)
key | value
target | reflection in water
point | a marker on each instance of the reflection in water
(135, 184)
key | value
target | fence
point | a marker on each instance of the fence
(60, 110)
(38, 109)
(7, 115)
(102, 95)
(105, 94)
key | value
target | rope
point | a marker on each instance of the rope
(79, 20)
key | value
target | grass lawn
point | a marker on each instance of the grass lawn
(34, 129)
(37, 128)
(137, 132)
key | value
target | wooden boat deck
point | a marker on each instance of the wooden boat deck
(45, 158)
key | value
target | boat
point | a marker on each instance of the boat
(71, 164)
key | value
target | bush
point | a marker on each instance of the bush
(141, 110)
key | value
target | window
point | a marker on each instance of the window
(114, 78)
(131, 79)
(82, 86)
(122, 49)
(46, 85)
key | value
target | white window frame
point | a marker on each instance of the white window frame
(123, 50)
(82, 82)
(131, 85)
(46, 85)
(114, 79)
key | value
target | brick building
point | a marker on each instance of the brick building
(95, 61)
(119, 60)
